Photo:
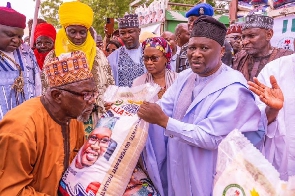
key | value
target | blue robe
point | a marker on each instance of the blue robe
(25, 57)
(224, 104)
(126, 67)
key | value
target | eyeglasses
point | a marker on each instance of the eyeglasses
(236, 37)
(112, 50)
(104, 142)
(153, 58)
(86, 95)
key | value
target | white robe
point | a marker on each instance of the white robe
(279, 146)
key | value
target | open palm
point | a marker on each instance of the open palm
(272, 97)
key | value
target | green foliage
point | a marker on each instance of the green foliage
(102, 9)
(49, 11)
(106, 9)
(190, 2)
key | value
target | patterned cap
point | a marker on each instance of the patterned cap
(67, 68)
(258, 21)
(200, 9)
(209, 27)
(234, 28)
(129, 21)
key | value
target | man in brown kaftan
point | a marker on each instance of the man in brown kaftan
(257, 50)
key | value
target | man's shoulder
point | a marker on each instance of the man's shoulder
(283, 52)
(49, 56)
(229, 76)
(280, 63)
(185, 73)
(114, 54)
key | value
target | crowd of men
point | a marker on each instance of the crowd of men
(228, 78)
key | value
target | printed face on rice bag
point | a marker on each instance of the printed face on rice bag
(96, 145)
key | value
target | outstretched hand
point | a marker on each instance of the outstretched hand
(272, 97)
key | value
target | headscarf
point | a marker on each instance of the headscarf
(75, 13)
(43, 29)
(160, 44)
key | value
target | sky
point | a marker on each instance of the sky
(26, 7)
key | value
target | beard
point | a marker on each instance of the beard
(84, 117)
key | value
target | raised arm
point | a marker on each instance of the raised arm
(272, 97)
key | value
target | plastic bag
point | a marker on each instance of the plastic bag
(242, 170)
(105, 163)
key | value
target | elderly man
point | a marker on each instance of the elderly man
(201, 107)
(275, 87)
(182, 34)
(44, 38)
(171, 39)
(234, 37)
(19, 72)
(43, 132)
(126, 62)
(192, 15)
(75, 35)
(257, 32)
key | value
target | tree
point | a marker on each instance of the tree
(190, 2)
(49, 11)
(106, 9)
(102, 9)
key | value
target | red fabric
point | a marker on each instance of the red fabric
(40, 57)
(45, 29)
(12, 18)
(121, 41)
(234, 28)
(93, 186)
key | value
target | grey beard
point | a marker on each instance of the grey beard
(82, 118)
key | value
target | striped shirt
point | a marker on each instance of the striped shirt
(24, 56)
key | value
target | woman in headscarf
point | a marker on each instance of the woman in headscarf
(156, 57)
(44, 38)
(157, 54)
(76, 18)
(112, 46)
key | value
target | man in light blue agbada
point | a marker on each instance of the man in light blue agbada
(203, 105)
(126, 62)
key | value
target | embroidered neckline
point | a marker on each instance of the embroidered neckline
(18, 84)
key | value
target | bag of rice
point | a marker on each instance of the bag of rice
(242, 170)
(105, 163)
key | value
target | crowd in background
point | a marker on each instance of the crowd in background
(212, 80)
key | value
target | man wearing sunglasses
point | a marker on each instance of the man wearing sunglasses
(39, 138)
